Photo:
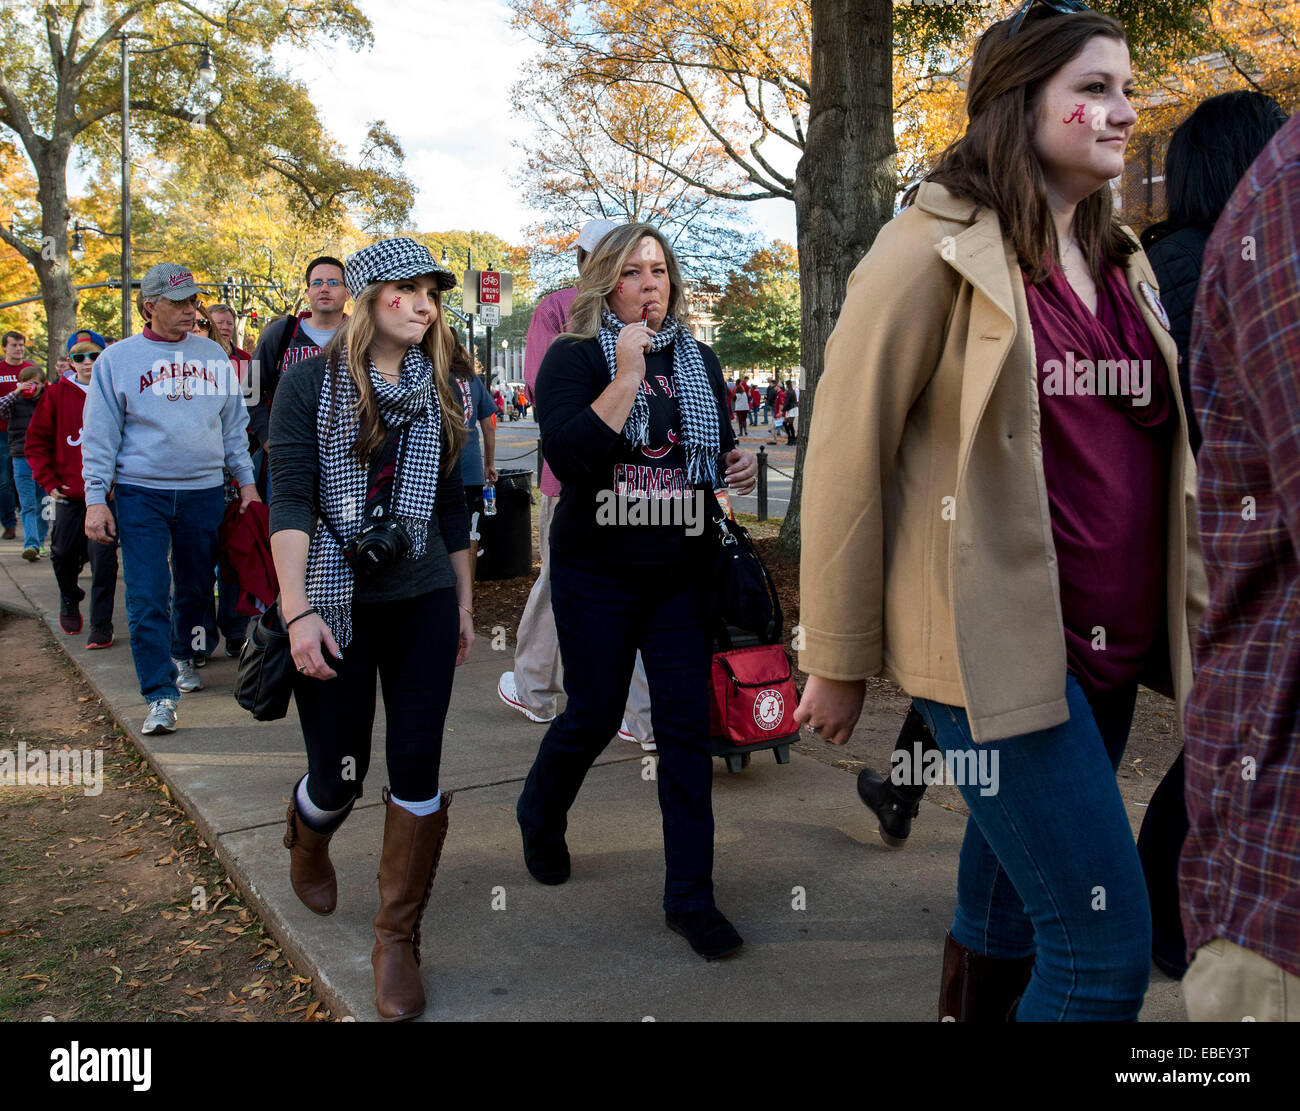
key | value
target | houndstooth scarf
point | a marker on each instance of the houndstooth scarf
(696, 401)
(413, 403)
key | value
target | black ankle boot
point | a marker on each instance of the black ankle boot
(547, 857)
(894, 806)
(708, 931)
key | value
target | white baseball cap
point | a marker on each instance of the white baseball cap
(593, 231)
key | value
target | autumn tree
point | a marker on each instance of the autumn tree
(758, 313)
(60, 91)
(798, 95)
(598, 151)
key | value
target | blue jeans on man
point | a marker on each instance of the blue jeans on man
(8, 491)
(153, 523)
(32, 498)
(1048, 867)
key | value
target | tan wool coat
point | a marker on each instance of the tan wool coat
(927, 551)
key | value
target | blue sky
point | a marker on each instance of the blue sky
(439, 75)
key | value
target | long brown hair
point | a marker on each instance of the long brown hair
(355, 336)
(994, 164)
(602, 272)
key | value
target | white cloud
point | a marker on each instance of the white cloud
(439, 76)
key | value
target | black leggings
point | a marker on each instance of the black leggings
(411, 644)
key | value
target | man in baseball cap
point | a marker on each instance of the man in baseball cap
(164, 413)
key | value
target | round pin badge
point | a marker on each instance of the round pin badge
(1153, 303)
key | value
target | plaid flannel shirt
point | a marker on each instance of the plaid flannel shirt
(1240, 872)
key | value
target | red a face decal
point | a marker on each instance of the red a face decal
(1076, 115)
(396, 302)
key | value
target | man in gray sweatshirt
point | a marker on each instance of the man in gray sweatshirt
(163, 414)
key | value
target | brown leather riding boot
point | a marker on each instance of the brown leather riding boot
(980, 989)
(412, 846)
(310, 870)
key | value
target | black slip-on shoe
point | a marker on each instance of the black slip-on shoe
(708, 931)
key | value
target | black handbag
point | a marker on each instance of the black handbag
(744, 595)
(264, 679)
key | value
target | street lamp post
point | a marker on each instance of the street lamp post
(207, 74)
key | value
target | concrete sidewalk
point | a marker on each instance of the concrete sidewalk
(497, 945)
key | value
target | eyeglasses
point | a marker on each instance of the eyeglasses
(1063, 7)
(84, 356)
(316, 283)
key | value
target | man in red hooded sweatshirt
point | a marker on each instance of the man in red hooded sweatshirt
(54, 452)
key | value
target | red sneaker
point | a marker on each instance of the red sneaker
(100, 638)
(70, 617)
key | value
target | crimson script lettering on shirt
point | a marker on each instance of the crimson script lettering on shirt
(176, 381)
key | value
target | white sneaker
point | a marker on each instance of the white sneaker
(187, 679)
(625, 734)
(161, 718)
(510, 696)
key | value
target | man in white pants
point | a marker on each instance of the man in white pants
(535, 684)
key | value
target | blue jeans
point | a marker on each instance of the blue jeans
(152, 523)
(601, 618)
(1049, 867)
(8, 494)
(32, 498)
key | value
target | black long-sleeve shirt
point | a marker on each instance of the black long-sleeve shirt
(595, 463)
(295, 475)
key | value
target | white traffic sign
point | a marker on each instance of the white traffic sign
(489, 315)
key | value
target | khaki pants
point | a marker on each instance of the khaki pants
(538, 674)
(1227, 983)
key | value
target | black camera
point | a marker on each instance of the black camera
(381, 542)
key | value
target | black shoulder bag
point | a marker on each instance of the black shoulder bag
(744, 595)
(263, 681)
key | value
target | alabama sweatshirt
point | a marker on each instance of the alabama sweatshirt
(165, 415)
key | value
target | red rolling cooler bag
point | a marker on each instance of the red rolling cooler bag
(753, 696)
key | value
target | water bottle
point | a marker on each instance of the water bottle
(489, 500)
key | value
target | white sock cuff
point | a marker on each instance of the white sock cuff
(419, 809)
(312, 814)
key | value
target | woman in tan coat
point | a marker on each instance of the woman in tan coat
(1005, 528)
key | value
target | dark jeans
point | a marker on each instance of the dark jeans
(1160, 844)
(152, 523)
(71, 550)
(411, 645)
(1048, 867)
(601, 620)
(8, 490)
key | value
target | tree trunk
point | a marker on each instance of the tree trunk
(53, 269)
(844, 185)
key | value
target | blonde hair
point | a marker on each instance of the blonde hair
(354, 339)
(214, 333)
(604, 269)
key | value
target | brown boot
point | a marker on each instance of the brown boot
(980, 989)
(412, 846)
(310, 869)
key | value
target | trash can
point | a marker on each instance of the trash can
(506, 540)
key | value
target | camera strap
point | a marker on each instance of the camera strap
(392, 494)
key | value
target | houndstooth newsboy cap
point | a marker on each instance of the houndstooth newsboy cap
(390, 260)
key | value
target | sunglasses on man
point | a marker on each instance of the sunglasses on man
(316, 283)
(84, 356)
(1063, 7)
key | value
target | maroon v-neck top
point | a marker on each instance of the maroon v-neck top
(1105, 428)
